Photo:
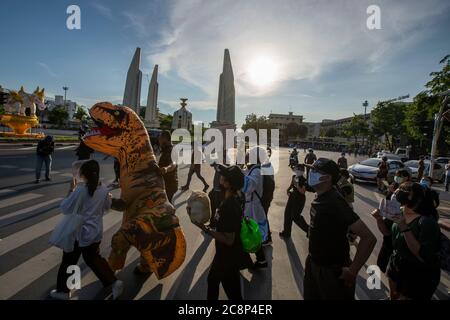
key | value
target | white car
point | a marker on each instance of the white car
(367, 170)
(390, 156)
(443, 160)
(438, 172)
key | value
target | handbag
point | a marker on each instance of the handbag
(251, 237)
(65, 232)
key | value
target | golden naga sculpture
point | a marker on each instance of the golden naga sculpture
(15, 116)
(149, 221)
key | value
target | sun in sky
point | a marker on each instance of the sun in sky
(263, 72)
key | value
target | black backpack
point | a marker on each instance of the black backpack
(268, 189)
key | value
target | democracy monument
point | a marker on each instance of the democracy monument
(182, 118)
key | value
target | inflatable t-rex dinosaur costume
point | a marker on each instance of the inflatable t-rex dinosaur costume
(149, 222)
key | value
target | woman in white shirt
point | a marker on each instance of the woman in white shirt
(95, 201)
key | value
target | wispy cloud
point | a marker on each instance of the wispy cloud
(47, 69)
(103, 10)
(304, 38)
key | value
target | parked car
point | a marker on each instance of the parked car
(367, 170)
(443, 160)
(438, 172)
(390, 156)
(403, 153)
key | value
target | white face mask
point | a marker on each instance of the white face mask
(314, 178)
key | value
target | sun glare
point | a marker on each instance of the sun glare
(262, 72)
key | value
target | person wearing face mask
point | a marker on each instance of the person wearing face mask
(414, 267)
(329, 272)
(94, 200)
(295, 204)
(384, 225)
(226, 263)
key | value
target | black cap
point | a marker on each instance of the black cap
(326, 166)
(233, 174)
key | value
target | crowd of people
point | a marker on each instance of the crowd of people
(409, 254)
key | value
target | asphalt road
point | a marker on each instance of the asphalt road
(29, 212)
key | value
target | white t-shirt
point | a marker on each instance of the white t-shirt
(92, 209)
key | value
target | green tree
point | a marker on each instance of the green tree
(2, 109)
(166, 121)
(331, 132)
(81, 114)
(302, 131)
(388, 119)
(419, 118)
(292, 129)
(357, 127)
(58, 116)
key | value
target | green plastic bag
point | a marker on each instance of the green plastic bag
(251, 238)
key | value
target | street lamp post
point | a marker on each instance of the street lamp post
(365, 105)
(65, 88)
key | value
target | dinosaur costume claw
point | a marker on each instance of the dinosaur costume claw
(149, 221)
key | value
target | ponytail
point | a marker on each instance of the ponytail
(91, 171)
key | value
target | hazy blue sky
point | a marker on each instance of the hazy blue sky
(315, 58)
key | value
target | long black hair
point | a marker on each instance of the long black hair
(417, 198)
(91, 171)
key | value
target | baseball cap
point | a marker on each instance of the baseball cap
(326, 166)
(233, 174)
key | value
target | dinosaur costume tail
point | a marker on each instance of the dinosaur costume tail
(163, 251)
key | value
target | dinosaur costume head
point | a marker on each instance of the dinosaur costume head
(149, 221)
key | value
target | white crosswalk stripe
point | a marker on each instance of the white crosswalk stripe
(29, 209)
(6, 191)
(8, 167)
(18, 199)
(20, 277)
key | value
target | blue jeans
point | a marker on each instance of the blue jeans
(48, 163)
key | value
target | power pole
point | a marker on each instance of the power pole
(365, 105)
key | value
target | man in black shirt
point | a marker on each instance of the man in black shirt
(44, 151)
(329, 272)
(227, 260)
(294, 206)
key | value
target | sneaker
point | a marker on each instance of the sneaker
(59, 295)
(48, 179)
(260, 264)
(37, 181)
(117, 289)
(284, 235)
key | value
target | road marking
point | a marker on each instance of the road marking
(27, 169)
(18, 199)
(66, 147)
(27, 148)
(2, 191)
(8, 167)
(28, 234)
(70, 175)
(29, 209)
(23, 275)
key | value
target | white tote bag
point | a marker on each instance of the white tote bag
(64, 234)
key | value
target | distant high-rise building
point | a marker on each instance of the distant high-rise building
(132, 94)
